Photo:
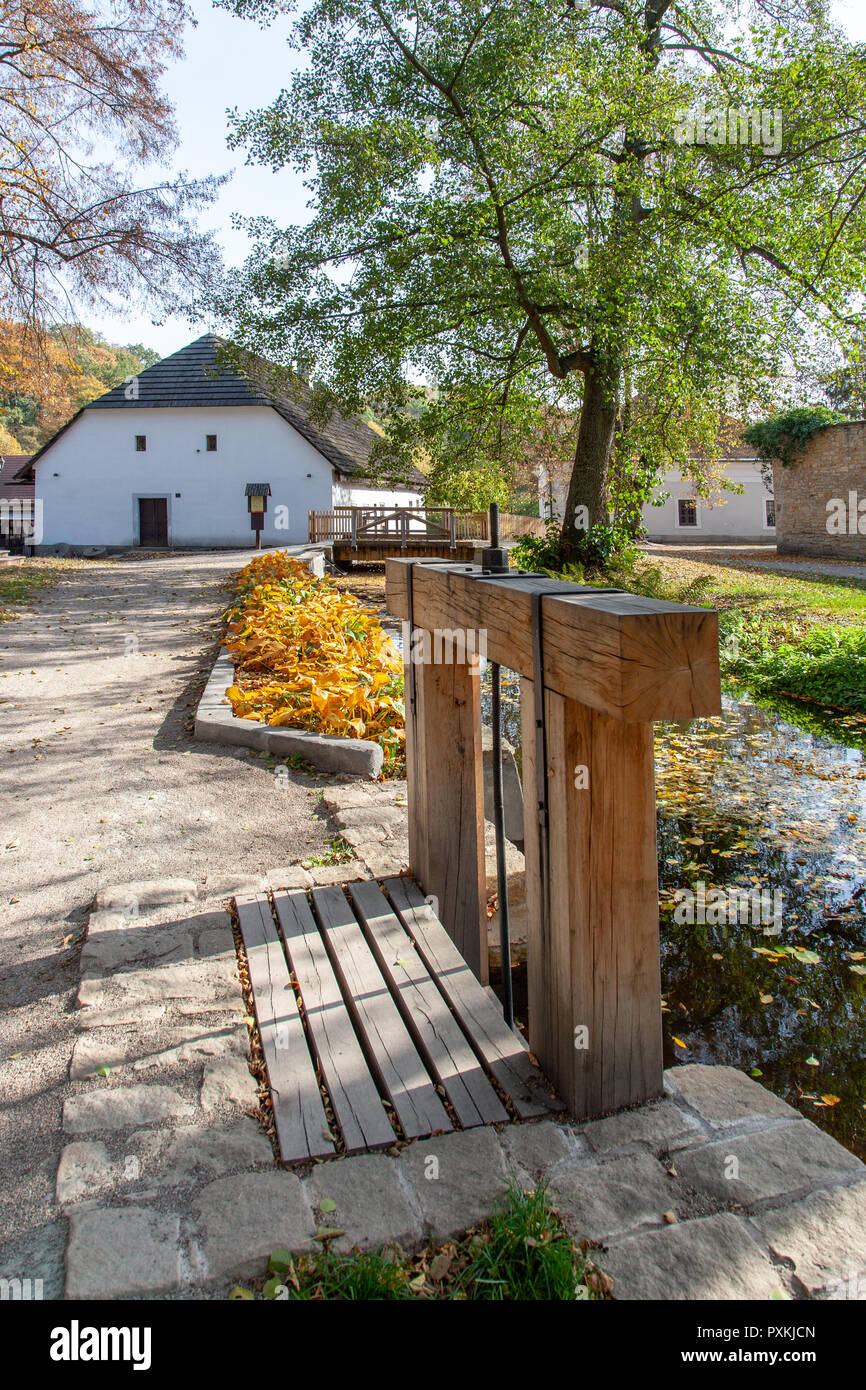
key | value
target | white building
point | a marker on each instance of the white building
(747, 517)
(167, 459)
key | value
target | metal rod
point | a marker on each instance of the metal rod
(497, 563)
(501, 866)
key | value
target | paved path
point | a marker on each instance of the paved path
(102, 784)
(744, 557)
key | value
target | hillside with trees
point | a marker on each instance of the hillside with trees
(45, 380)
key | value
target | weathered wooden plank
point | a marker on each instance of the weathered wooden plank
(299, 1114)
(635, 659)
(502, 1050)
(446, 805)
(437, 1034)
(357, 1104)
(392, 1054)
(594, 980)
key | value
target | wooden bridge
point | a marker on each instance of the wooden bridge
(374, 1020)
(370, 535)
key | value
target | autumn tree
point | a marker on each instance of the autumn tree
(537, 203)
(83, 124)
(44, 382)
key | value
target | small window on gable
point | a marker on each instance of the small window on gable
(141, 443)
(770, 511)
(211, 443)
(687, 509)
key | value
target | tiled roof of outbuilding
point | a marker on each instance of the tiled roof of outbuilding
(193, 376)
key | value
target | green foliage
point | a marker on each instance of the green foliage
(522, 1252)
(527, 1254)
(826, 666)
(367, 1275)
(593, 550)
(504, 210)
(785, 435)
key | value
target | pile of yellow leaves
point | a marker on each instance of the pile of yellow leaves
(310, 656)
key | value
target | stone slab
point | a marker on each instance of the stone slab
(376, 814)
(241, 1220)
(533, 1148)
(154, 892)
(710, 1259)
(756, 1167)
(384, 861)
(339, 873)
(112, 950)
(205, 980)
(372, 1204)
(122, 1252)
(455, 1179)
(122, 1107)
(597, 1200)
(723, 1096)
(121, 1016)
(657, 1127)
(228, 1081)
(228, 885)
(196, 1153)
(289, 876)
(85, 1169)
(824, 1238)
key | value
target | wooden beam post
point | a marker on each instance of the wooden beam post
(445, 791)
(594, 973)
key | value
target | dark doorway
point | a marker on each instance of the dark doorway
(153, 521)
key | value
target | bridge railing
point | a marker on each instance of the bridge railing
(410, 524)
(596, 668)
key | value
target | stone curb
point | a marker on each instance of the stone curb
(215, 723)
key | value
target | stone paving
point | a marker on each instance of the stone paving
(171, 1186)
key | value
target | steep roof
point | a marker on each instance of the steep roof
(194, 377)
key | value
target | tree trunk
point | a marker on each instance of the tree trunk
(587, 492)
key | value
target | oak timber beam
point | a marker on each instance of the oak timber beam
(632, 658)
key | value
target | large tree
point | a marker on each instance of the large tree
(534, 204)
(83, 125)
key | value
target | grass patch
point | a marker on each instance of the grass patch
(795, 644)
(22, 579)
(522, 1253)
(337, 852)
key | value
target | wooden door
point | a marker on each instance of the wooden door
(153, 521)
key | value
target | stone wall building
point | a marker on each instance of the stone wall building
(821, 496)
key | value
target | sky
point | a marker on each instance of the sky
(231, 62)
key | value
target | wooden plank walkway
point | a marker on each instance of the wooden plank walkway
(392, 1026)
(299, 1112)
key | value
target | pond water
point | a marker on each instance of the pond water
(750, 804)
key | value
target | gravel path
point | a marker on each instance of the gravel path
(103, 784)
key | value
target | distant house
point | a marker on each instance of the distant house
(168, 458)
(683, 518)
(746, 518)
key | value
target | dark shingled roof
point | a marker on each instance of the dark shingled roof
(191, 377)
